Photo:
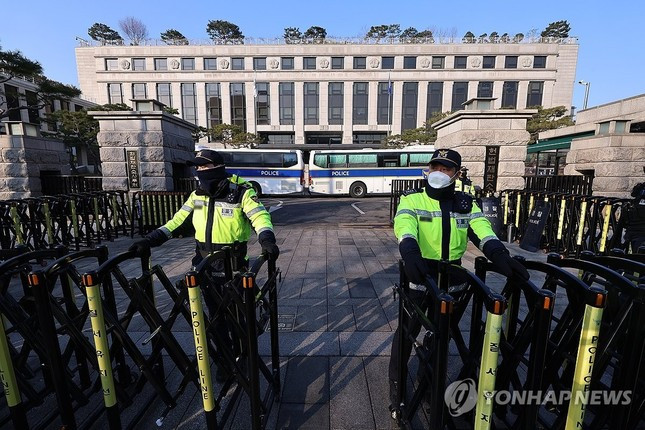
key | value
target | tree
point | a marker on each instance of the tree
(104, 34)
(483, 38)
(409, 33)
(469, 37)
(224, 31)
(135, 29)
(315, 34)
(384, 31)
(494, 37)
(425, 34)
(245, 140)
(518, 37)
(547, 119)
(15, 65)
(504, 38)
(292, 35)
(173, 37)
(558, 29)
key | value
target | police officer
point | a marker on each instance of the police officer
(635, 225)
(223, 209)
(434, 223)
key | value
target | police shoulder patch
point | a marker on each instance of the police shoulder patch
(412, 191)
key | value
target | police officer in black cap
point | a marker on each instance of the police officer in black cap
(434, 223)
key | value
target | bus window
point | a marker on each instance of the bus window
(389, 160)
(272, 159)
(247, 159)
(337, 160)
(420, 159)
(227, 157)
(320, 160)
(289, 159)
(363, 160)
(404, 160)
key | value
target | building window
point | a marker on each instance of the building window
(279, 139)
(387, 63)
(409, 62)
(485, 89)
(311, 102)
(262, 108)
(260, 63)
(510, 62)
(489, 62)
(509, 94)
(620, 127)
(368, 139)
(335, 102)
(139, 91)
(111, 64)
(539, 62)
(286, 102)
(287, 63)
(188, 103)
(138, 64)
(459, 95)
(237, 63)
(238, 105)
(309, 63)
(384, 103)
(32, 100)
(213, 105)
(115, 95)
(187, 64)
(163, 94)
(338, 63)
(13, 102)
(360, 62)
(210, 63)
(435, 98)
(603, 128)
(438, 62)
(534, 95)
(460, 62)
(360, 103)
(161, 64)
(409, 111)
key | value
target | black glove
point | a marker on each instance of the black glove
(267, 242)
(141, 246)
(415, 266)
(508, 266)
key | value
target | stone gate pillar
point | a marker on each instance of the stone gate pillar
(143, 150)
(492, 142)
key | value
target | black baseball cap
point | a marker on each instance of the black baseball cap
(206, 156)
(446, 157)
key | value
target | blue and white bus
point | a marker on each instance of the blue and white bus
(270, 171)
(367, 171)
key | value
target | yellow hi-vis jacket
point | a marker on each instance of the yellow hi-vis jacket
(421, 218)
(223, 221)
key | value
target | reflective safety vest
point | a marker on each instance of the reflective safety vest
(226, 220)
(427, 220)
(465, 185)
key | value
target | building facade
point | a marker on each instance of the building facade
(330, 93)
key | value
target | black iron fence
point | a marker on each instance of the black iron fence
(67, 184)
(569, 184)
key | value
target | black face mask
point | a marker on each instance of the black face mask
(209, 180)
(446, 193)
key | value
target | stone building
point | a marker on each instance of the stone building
(339, 91)
(607, 142)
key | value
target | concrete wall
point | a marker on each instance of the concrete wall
(160, 139)
(22, 158)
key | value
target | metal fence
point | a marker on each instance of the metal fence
(67, 184)
(569, 184)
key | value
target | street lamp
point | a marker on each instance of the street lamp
(587, 85)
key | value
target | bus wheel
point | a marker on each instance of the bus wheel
(357, 190)
(257, 188)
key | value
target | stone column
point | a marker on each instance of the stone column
(159, 139)
(469, 132)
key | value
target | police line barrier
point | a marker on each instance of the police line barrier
(152, 209)
(573, 223)
(69, 220)
(67, 330)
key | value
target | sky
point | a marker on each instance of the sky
(609, 57)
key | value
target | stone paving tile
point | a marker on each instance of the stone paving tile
(355, 267)
(350, 403)
(311, 318)
(302, 344)
(307, 380)
(294, 416)
(370, 317)
(314, 287)
(360, 287)
(337, 287)
(365, 343)
(341, 318)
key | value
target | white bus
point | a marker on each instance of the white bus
(270, 171)
(366, 171)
